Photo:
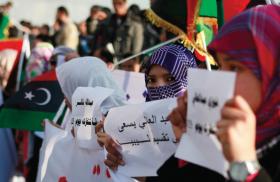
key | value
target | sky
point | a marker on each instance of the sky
(43, 11)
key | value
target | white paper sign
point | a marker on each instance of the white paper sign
(146, 137)
(86, 113)
(132, 83)
(61, 159)
(207, 93)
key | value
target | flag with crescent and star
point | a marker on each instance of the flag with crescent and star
(34, 102)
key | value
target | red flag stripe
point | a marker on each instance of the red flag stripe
(48, 76)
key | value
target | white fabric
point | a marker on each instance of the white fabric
(89, 72)
(86, 102)
(61, 158)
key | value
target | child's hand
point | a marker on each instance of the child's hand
(237, 130)
(114, 157)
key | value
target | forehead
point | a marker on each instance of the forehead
(223, 59)
(157, 70)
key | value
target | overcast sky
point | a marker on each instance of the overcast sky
(43, 11)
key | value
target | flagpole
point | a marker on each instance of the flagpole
(21, 59)
(59, 112)
(208, 65)
(146, 51)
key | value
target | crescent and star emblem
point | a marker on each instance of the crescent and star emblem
(29, 96)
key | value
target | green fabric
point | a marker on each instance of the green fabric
(23, 119)
(208, 8)
(220, 13)
(4, 23)
(209, 34)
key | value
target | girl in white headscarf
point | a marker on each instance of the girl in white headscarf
(88, 72)
(56, 165)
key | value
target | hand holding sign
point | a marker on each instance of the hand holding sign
(144, 134)
(114, 157)
(237, 131)
(207, 93)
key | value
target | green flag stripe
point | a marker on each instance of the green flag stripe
(208, 8)
(23, 119)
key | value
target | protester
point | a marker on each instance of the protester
(66, 31)
(94, 74)
(97, 15)
(256, 100)
(97, 27)
(84, 47)
(125, 33)
(165, 77)
(249, 129)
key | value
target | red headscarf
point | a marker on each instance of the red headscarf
(253, 38)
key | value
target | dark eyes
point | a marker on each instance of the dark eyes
(151, 80)
(167, 79)
(170, 79)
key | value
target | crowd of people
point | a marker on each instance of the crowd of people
(116, 35)
(249, 127)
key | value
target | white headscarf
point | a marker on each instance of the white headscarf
(89, 72)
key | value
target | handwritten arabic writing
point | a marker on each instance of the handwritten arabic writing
(145, 135)
(127, 125)
(212, 102)
(85, 102)
(207, 93)
(201, 128)
(84, 121)
(136, 142)
(148, 120)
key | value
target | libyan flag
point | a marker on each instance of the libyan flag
(34, 102)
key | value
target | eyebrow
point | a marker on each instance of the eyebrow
(165, 74)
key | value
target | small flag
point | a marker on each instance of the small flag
(34, 102)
